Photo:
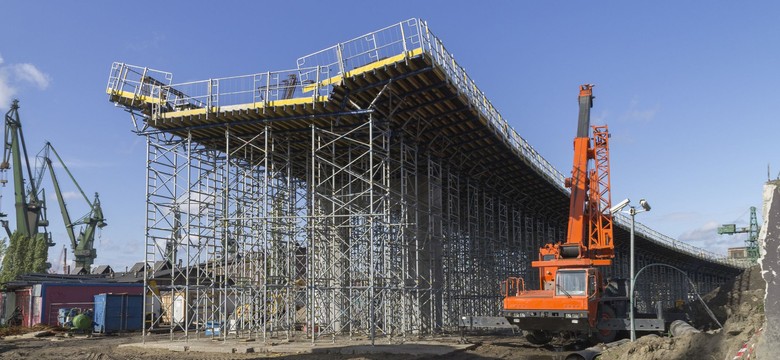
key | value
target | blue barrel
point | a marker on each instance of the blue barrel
(213, 328)
(118, 312)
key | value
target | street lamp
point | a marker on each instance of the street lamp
(632, 210)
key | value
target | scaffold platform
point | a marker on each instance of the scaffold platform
(373, 189)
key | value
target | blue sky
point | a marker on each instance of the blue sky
(688, 89)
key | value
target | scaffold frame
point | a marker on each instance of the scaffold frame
(331, 199)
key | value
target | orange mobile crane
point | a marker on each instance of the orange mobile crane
(573, 295)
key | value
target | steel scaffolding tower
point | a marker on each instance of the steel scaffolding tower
(373, 191)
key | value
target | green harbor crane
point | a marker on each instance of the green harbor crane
(83, 245)
(29, 203)
(751, 244)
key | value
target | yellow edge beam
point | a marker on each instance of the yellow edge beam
(132, 96)
(188, 112)
(260, 105)
(364, 68)
(214, 109)
(295, 101)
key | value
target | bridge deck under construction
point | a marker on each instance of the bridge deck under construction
(373, 190)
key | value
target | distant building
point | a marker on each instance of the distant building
(79, 270)
(738, 253)
(102, 270)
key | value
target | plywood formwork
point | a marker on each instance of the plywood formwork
(372, 191)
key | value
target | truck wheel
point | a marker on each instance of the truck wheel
(605, 336)
(537, 337)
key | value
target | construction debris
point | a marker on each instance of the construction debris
(738, 306)
(769, 344)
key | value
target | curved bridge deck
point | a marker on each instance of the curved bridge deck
(374, 189)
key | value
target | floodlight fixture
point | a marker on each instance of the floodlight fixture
(643, 203)
(620, 206)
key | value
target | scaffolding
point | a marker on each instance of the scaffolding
(373, 191)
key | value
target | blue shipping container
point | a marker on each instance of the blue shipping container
(118, 312)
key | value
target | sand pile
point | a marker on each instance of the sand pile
(738, 305)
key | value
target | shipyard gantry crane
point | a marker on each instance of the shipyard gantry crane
(751, 243)
(83, 245)
(30, 203)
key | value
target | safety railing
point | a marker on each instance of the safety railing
(460, 79)
(145, 85)
(512, 286)
(414, 34)
(315, 77)
(363, 50)
(135, 80)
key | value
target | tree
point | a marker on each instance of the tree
(41, 254)
(24, 255)
(27, 253)
(11, 261)
(3, 248)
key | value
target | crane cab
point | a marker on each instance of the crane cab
(570, 285)
(576, 282)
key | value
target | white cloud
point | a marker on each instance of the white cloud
(6, 90)
(600, 118)
(704, 232)
(14, 76)
(195, 203)
(29, 73)
(706, 237)
(638, 113)
(147, 43)
(68, 195)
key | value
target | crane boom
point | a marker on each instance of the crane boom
(589, 233)
(83, 245)
(579, 173)
(61, 201)
(571, 290)
(30, 209)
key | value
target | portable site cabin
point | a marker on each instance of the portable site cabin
(38, 300)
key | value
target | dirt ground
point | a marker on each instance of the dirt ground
(739, 306)
(107, 347)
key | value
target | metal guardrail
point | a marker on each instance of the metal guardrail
(413, 33)
(154, 86)
(135, 79)
(314, 77)
(363, 50)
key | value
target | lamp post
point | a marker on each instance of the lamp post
(632, 210)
